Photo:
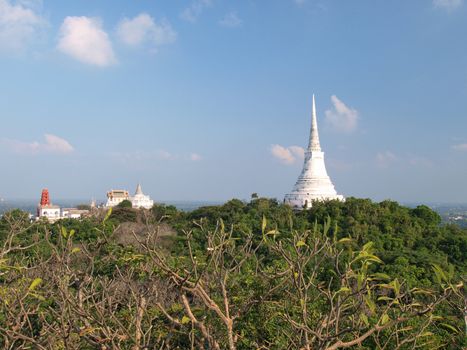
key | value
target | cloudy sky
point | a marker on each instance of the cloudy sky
(211, 99)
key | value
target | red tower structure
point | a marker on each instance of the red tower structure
(45, 198)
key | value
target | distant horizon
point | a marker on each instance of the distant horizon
(222, 201)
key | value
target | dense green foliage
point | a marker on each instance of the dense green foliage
(408, 240)
(125, 204)
(237, 276)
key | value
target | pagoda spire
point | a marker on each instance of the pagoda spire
(138, 189)
(314, 136)
(45, 197)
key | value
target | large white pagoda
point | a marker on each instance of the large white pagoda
(140, 200)
(313, 184)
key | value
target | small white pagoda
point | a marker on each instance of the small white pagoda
(313, 184)
(140, 200)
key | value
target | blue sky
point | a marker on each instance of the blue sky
(211, 99)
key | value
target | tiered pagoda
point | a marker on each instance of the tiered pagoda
(313, 184)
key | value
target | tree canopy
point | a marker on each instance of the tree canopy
(242, 275)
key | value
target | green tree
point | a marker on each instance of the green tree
(125, 204)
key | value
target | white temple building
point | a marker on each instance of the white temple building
(73, 213)
(49, 211)
(313, 184)
(46, 210)
(140, 200)
(115, 197)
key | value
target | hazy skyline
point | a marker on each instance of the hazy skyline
(211, 99)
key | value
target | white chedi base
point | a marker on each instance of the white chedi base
(304, 200)
(142, 201)
(313, 184)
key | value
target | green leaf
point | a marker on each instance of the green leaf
(327, 225)
(449, 327)
(300, 244)
(426, 334)
(374, 258)
(397, 286)
(385, 299)
(367, 247)
(344, 290)
(381, 276)
(370, 303)
(107, 216)
(37, 296)
(367, 257)
(75, 250)
(360, 279)
(364, 318)
(440, 274)
(437, 318)
(405, 329)
(185, 320)
(422, 291)
(64, 233)
(263, 224)
(345, 240)
(35, 283)
(385, 319)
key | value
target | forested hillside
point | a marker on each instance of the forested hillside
(254, 275)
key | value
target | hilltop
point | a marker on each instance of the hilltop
(240, 275)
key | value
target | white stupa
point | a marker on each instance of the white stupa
(313, 184)
(140, 200)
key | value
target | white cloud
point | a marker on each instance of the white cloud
(20, 25)
(447, 5)
(143, 29)
(84, 39)
(151, 156)
(165, 155)
(192, 12)
(287, 155)
(297, 151)
(55, 144)
(231, 20)
(460, 147)
(341, 118)
(385, 159)
(140, 157)
(52, 145)
(420, 162)
(283, 154)
(195, 157)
